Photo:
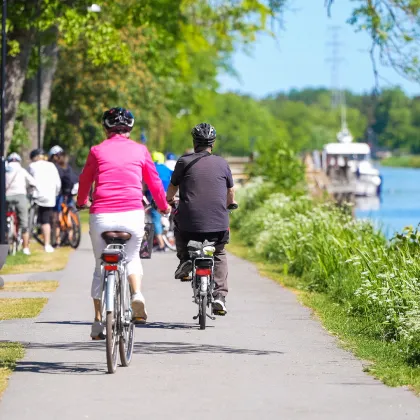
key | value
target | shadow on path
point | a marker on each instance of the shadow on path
(171, 326)
(170, 347)
(153, 347)
(64, 322)
(59, 368)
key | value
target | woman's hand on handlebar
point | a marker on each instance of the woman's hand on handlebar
(84, 207)
(167, 211)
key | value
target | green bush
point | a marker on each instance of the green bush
(345, 258)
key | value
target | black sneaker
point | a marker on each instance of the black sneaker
(183, 270)
(219, 305)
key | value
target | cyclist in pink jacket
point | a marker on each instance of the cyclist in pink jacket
(116, 167)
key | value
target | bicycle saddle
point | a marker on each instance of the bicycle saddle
(115, 237)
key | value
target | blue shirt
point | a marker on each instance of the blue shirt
(164, 174)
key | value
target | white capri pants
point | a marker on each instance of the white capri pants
(129, 221)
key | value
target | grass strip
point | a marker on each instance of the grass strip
(38, 261)
(10, 353)
(84, 220)
(384, 359)
(21, 308)
(30, 286)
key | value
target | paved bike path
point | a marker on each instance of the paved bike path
(267, 359)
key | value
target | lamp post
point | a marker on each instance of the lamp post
(39, 90)
(3, 241)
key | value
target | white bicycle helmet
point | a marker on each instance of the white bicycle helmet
(55, 150)
(14, 157)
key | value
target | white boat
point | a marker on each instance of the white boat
(365, 178)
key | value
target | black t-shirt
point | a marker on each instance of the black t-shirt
(202, 193)
(68, 179)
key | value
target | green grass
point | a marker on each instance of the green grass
(21, 308)
(10, 353)
(30, 286)
(409, 161)
(84, 220)
(38, 261)
(384, 358)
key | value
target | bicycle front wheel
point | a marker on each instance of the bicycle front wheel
(75, 233)
(126, 343)
(169, 240)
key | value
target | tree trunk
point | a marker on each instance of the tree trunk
(30, 96)
(16, 68)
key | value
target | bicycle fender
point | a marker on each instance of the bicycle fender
(110, 286)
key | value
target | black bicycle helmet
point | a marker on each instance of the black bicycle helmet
(118, 120)
(36, 152)
(203, 134)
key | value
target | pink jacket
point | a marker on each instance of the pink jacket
(118, 166)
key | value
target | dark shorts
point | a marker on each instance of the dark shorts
(45, 215)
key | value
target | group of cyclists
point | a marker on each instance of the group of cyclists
(49, 180)
(111, 185)
(118, 167)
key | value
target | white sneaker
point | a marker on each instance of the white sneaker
(139, 307)
(26, 251)
(49, 248)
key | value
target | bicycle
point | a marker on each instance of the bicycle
(69, 227)
(14, 232)
(34, 227)
(167, 225)
(202, 278)
(115, 301)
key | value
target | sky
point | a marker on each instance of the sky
(298, 57)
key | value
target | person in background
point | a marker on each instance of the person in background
(171, 161)
(165, 176)
(48, 185)
(17, 182)
(68, 178)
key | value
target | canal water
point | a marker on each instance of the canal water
(399, 205)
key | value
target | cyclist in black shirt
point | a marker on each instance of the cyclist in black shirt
(205, 191)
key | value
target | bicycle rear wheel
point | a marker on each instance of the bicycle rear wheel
(202, 317)
(112, 332)
(11, 239)
(34, 226)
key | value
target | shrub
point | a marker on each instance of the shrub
(345, 258)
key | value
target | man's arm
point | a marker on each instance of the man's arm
(176, 179)
(230, 197)
(170, 194)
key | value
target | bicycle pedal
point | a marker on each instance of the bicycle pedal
(220, 313)
(186, 279)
